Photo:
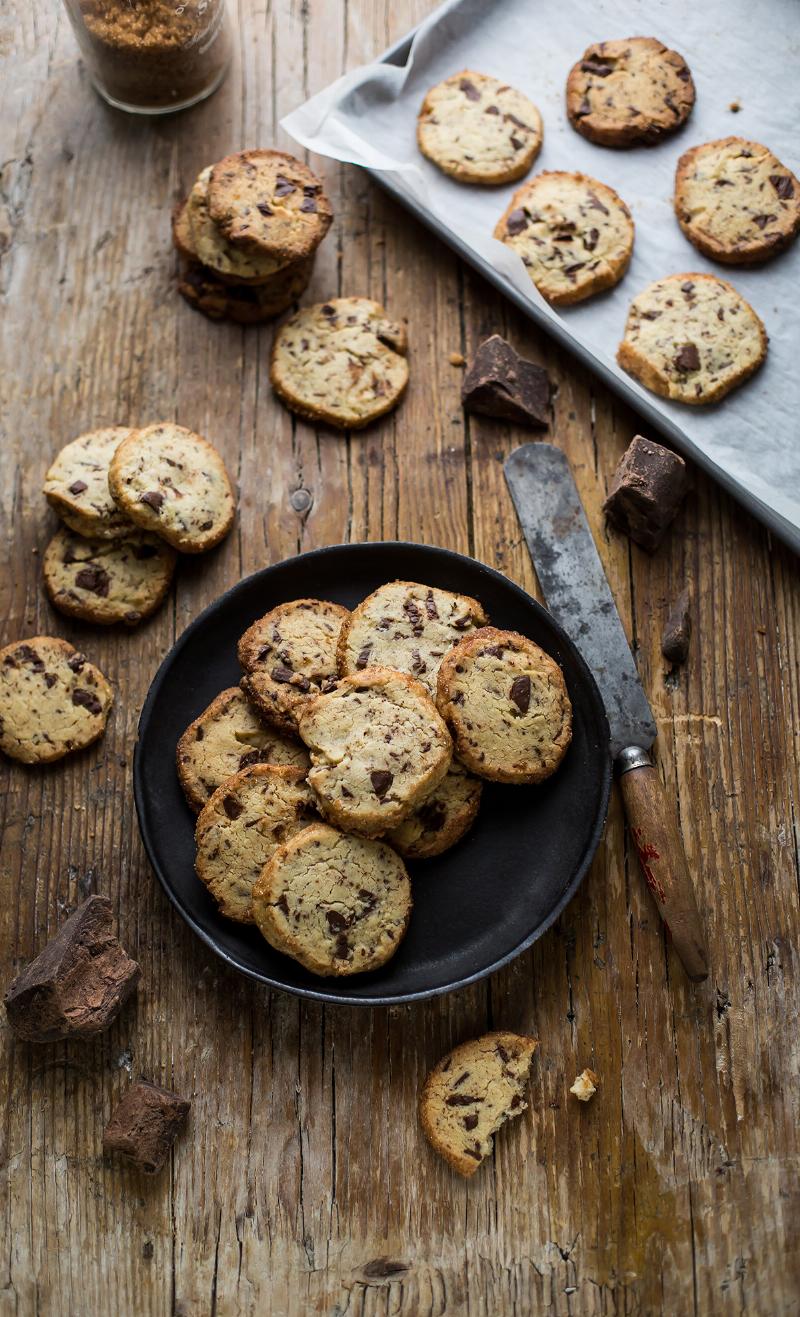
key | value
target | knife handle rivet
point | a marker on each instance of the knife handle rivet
(633, 756)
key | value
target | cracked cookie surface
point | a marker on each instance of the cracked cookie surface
(173, 482)
(736, 202)
(624, 92)
(573, 234)
(506, 703)
(227, 737)
(378, 747)
(240, 827)
(692, 338)
(52, 700)
(471, 1093)
(338, 904)
(442, 818)
(76, 485)
(343, 362)
(478, 129)
(289, 657)
(268, 202)
(107, 581)
(408, 627)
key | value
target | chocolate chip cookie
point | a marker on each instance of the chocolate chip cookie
(378, 748)
(474, 1090)
(76, 485)
(736, 202)
(506, 704)
(478, 129)
(207, 244)
(52, 700)
(342, 362)
(268, 202)
(227, 737)
(107, 581)
(174, 483)
(244, 304)
(289, 657)
(574, 235)
(692, 338)
(621, 93)
(240, 828)
(337, 904)
(442, 819)
(406, 626)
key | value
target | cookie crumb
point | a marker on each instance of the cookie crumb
(457, 359)
(585, 1085)
(734, 107)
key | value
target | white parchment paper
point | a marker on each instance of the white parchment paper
(745, 51)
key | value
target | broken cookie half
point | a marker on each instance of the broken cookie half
(474, 1090)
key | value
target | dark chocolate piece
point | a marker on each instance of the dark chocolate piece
(79, 982)
(502, 384)
(677, 630)
(646, 491)
(145, 1124)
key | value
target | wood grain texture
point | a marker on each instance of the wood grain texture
(302, 1184)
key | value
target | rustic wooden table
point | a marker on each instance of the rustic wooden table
(302, 1184)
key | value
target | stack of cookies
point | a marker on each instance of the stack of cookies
(248, 232)
(356, 741)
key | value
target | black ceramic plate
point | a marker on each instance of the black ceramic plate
(475, 907)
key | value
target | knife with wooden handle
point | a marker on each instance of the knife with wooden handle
(578, 595)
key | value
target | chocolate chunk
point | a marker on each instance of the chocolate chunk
(342, 948)
(363, 658)
(414, 616)
(283, 186)
(337, 921)
(381, 780)
(677, 630)
(78, 487)
(232, 807)
(783, 185)
(471, 1120)
(263, 209)
(469, 89)
(461, 1100)
(502, 1053)
(597, 68)
(521, 693)
(76, 662)
(432, 815)
(153, 499)
(516, 221)
(502, 384)
(309, 205)
(688, 358)
(94, 578)
(27, 654)
(145, 1124)
(286, 676)
(596, 204)
(430, 606)
(79, 982)
(86, 700)
(646, 491)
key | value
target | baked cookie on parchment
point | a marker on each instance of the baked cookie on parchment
(227, 737)
(443, 817)
(52, 700)
(342, 362)
(76, 484)
(474, 1090)
(337, 904)
(268, 202)
(736, 202)
(624, 92)
(692, 338)
(289, 657)
(574, 235)
(478, 129)
(107, 581)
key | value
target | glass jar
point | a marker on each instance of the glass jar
(153, 56)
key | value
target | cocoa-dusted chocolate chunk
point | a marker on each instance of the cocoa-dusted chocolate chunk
(677, 630)
(502, 384)
(145, 1124)
(646, 491)
(79, 982)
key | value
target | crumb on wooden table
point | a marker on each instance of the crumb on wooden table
(457, 359)
(585, 1085)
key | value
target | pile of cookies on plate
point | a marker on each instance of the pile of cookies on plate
(355, 741)
(689, 337)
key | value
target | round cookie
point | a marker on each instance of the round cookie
(289, 657)
(269, 202)
(232, 264)
(506, 704)
(174, 483)
(442, 819)
(692, 338)
(107, 581)
(244, 304)
(378, 748)
(574, 235)
(736, 202)
(474, 1090)
(408, 627)
(341, 361)
(227, 737)
(621, 93)
(76, 485)
(241, 826)
(337, 904)
(52, 700)
(478, 129)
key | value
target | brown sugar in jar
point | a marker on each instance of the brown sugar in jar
(153, 56)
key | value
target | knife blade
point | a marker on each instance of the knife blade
(579, 597)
